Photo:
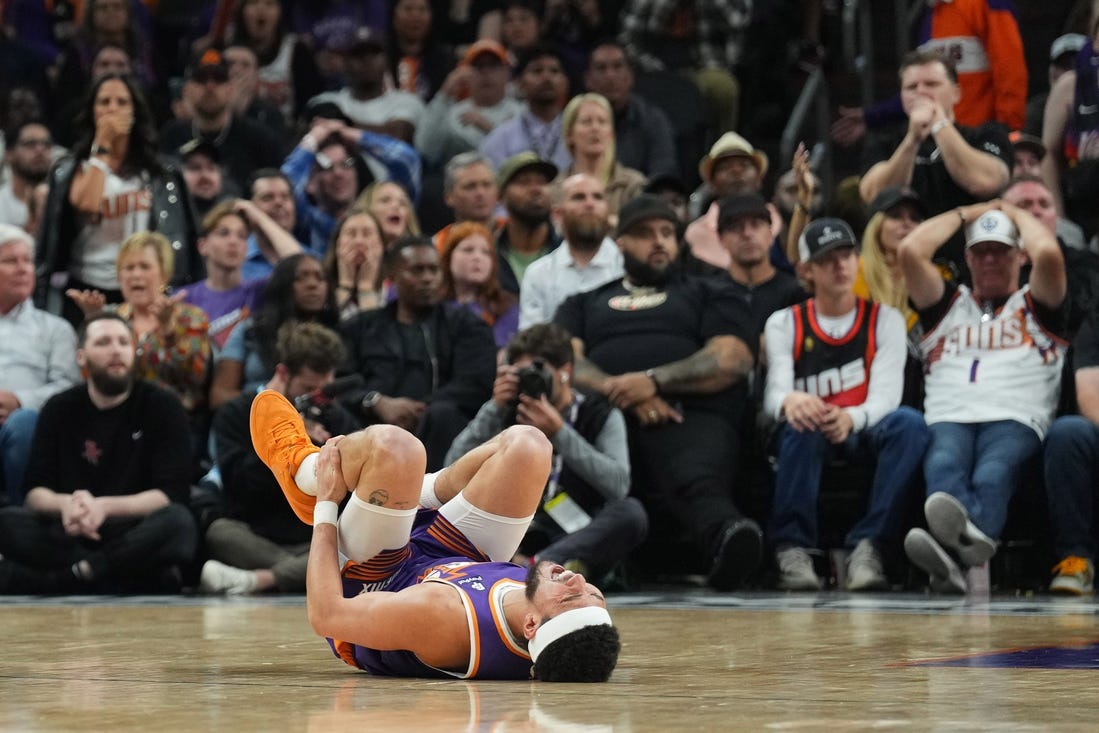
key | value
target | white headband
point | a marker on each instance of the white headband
(563, 624)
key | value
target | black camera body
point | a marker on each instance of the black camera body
(312, 406)
(536, 380)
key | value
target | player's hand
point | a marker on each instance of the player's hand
(332, 485)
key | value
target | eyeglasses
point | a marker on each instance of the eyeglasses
(326, 164)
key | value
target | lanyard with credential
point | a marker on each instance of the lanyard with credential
(553, 485)
(538, 141)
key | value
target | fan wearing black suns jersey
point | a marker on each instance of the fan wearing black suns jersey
(834, 383)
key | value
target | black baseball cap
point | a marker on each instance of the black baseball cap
(208, 65)
(666, 182)
(364, 40)
(199, 147)
(889, 197)
(642, 207)
(824, 235)
(741, 206)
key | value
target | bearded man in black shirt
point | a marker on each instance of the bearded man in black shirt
(673, 352)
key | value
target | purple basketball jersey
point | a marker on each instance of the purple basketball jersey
(438, 553)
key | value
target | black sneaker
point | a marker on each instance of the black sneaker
(738, 554)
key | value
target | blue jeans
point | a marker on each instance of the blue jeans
(16, 435)
(978, 464)
(1071, 460)
(897, 443)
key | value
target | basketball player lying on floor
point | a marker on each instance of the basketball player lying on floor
(428, 592)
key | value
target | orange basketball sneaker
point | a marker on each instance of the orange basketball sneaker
(280, 440)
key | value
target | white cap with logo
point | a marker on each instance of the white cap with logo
(992, 226)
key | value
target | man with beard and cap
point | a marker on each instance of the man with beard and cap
(28, 158)
(587, 259)
(523, 181)
(426, 366)
(108, 476)
(673, 352)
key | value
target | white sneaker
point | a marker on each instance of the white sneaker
(926, 554)
(217, 577)
(795, 570)
(864, 568)
(949, 523)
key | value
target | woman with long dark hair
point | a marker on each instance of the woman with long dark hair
(288, 75)
(111, 186)
(296, 291)
(418, 61)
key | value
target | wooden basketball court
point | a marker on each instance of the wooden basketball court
(692, 660)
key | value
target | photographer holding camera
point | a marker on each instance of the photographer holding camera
(586, 520)
(260, 545)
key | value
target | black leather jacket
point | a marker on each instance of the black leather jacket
(460, 344)
(170, 215)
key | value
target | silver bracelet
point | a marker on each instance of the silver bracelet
(97, 163)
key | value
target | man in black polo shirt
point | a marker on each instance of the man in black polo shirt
(948, 165)
(673, 352)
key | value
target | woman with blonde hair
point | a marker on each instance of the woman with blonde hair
(470, 279)
(391, 206)
(173, 346)
(587, 128)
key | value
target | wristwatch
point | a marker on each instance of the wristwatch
(370, 400)
(100, 150)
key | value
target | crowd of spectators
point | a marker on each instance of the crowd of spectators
(456, 216)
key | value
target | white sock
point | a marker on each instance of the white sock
(306, 477)
(428, 498)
